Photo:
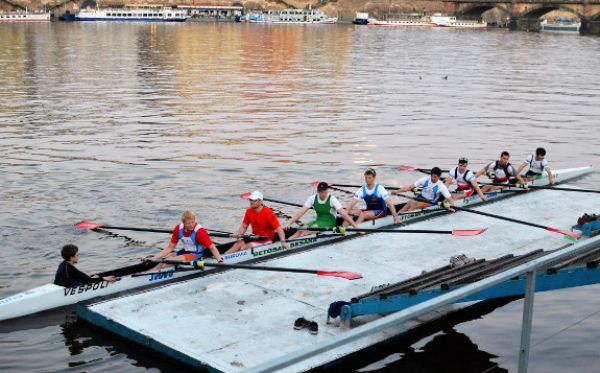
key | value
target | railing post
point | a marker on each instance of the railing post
(526, 325)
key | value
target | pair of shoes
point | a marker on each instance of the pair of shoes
(302, 323)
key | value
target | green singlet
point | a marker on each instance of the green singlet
(324, 218)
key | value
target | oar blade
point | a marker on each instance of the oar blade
(408, 168)
(88, 225)
(341, 274)
(564, 232)
(245, 195)
(468, 232)
(317, 182)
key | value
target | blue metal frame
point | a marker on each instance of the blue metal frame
(562, 279)
(588, 229)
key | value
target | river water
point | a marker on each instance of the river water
(130, 124)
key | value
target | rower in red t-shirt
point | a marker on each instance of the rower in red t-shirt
(263, 222)
(195, 240)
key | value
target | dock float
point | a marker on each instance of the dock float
(235, 320)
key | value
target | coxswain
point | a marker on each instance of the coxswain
(537, 164)
(263, 222)
(500, 172)
(466, 182)
(432, 191)
(377, 199)
(194, 238)
(69, 276)
(325, 205)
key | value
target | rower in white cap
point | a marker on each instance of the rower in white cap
(263, 222)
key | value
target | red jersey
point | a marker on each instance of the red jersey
(202, 237)
(264, 223)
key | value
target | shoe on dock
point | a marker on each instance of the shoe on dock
(313, 327)
(301, 323)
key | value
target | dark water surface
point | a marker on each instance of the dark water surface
(129, 124)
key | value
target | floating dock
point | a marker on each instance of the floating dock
(235, 320)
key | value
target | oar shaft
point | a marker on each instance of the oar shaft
(239, 266)
(283, 202)
(547, 187)
(154, 230)
(380, 230)
(135, 229)
(499, 217)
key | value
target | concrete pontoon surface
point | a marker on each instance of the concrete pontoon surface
(234, 320)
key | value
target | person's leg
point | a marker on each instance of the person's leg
(365, 215)
(239, 245)
(410, 205)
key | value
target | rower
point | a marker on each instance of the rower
(377, 199)
(432, 190)
(195, 241)
(499, 172)
(466, 182)
(326, 206)
(263, 222)
(69, 276)
(537, 165)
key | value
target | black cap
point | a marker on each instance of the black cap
(322, 186)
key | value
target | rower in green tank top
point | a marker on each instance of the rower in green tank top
(325, 206)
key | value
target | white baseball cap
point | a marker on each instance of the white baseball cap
(256, 195)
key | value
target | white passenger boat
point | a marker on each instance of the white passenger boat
(130, 13)
(51, 296)
(449, 21)
(561, 25)
(408, 22)
(293, 16)
(24, 16)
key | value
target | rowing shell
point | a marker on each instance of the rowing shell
(51, 296)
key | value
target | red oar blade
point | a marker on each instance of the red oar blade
(341, 274)
(408, 168)
(245, 195)
(468, 232)
(88, 225)
(316, 182)
(565, 232)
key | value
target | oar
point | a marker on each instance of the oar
(454, 232)
(422, 170)
(92, 225)
(247, 195)
(544, 187)
(551, 229)
(316, 182)
(199, 264)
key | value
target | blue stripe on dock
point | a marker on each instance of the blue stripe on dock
(562, 279)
